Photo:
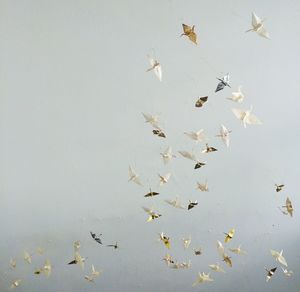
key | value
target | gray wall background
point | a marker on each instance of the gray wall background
(73, 86)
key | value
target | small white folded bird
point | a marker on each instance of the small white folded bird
(164, 179)
(224, 135)
(238, 250)
(237, 96)
(151, 119)
(279, 257)
(203, 187)
(167, 155)
(258, 27)
(27, 257)
(175, 203)
(198, 136)
(156, 67)
(134, 177)
(217, 268)
(93, 275)
(246, 116)
(202, 278)
(186, 242)
(188, 155)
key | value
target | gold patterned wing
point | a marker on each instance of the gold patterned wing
(186, 29)
(193, 37)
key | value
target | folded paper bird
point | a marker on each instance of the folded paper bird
(224, 135)
(165, 240)
(201, 101)
(227, 260)
(209, 149)
(197, 136)
(198, 251)
(76, 245)
(258, 27)
(151, 119)
(238, 250)
(279, 187)
(152, 214)
(191, 156)
(93, 275)
(191, 204)
(289, 207)
(151, 194)
(175, 203)
(27, 257)
(203, 187)
(202, 278)
(16, 284)
(159, 133)
(133, 176)
(156, 67)
(168, 259)
(246, 116)
(78, 260)
(95, 237)
(229, 235)
(167, 155)
(279, 257)
(216, 268)
(13, 263)
(190, 33)
(270, 273)
(237, 96)
(163, 179)
(220, 248)
(186, 242)
(223, 82)
(286, 272)
(46, 268)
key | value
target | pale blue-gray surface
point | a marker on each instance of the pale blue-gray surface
(72, 89)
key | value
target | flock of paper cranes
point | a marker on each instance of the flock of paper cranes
(247, 118)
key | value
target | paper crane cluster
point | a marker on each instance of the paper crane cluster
(246, 117)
